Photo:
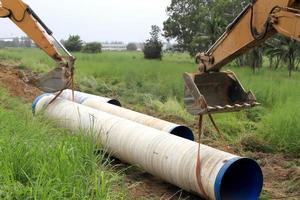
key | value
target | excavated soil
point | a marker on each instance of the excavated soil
(18, 82)
(280, 172)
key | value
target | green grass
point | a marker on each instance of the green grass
(158, 85)
(40, 161)
(278, 119)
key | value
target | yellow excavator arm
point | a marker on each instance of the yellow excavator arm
(29, 22)
(259, 21)
(212, 91)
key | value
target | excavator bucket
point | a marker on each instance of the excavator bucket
(54, 81)
(217, 92)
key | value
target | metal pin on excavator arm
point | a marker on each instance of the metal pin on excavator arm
(28, 21)
(212, 91)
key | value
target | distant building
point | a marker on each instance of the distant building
(6, 39)
(114, 46)
(17, 42)
(140, 46)
(167, 46)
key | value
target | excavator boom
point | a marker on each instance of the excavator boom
(29, 22)
(213, 91)
(259, 21)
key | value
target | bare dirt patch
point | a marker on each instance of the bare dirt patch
(281, 174)
(17, 82)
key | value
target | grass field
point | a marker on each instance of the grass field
(142, 84)
(40, 161)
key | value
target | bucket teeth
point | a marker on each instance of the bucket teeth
(229, 108)
(210, 108)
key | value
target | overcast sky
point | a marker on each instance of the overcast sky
(96, 20)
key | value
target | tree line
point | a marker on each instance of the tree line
(152, 47)
(197, 24)
(75, 44)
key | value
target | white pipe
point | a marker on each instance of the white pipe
(223, 175)
(80, 97)
(94, 102)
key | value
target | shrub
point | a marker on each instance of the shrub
(92, 47)
(131, 47)
(73, 43)
(153, 46)
(153, 50)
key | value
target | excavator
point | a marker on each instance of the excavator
(211, 90)
(29, 22)
(208, 91)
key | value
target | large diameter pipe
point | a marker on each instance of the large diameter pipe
(93, 101)
(223, 175)
(80, 97)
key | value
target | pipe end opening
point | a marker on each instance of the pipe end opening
(115, 102)
(183, 132)
(36, 101)
(240, 178)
